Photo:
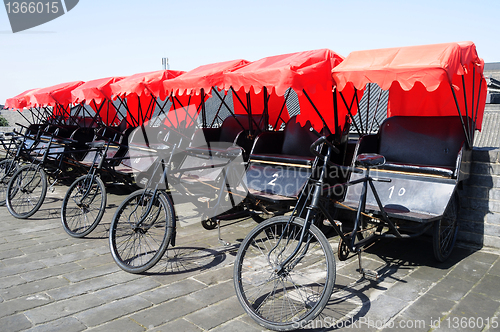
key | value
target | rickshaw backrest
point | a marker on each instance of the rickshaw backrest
(297, 138)
(233, 125)
(423, 140)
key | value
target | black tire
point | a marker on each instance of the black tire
(138, 248)
(7, 169)
(445, 230)
(83, 206)
(306, 287)
(26, 191)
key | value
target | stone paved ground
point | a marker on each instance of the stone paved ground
(52, 282)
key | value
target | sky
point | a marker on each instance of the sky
(106, 38)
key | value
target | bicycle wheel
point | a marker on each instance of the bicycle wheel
(289, 298)
(445, 230)
(135, 246)
(7, 169)
(26, 191)
(83, 206)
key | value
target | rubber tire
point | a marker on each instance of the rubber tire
(5, 178)
(13, 191)
(279, 223)
(69, 199)
(119, 226)
(450, 217)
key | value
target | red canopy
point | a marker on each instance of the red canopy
(150, 83)
(308, 71)
(97, 94)
(415, 75)
(140, 90)
(95, 90)
(302, 70)
(204, 77)
(20, 101)
(427, 64)
(55, 95)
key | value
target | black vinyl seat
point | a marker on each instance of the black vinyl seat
(418, 144)
(290, 146)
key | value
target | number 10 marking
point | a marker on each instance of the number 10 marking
(401, 191)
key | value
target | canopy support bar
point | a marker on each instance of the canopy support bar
(282, 108)
(349, 110)
(317, 112)
(461, 118)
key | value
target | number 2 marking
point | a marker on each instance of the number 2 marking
(272, 182)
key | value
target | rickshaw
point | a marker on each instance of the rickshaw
(58, 136)
(144, 224)
(402, 181)
(106, 159)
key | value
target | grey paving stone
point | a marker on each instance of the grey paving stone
(216, 314)
(213, 294)
(5, 254)
(46, 246)
(489, 286)
(216, 276)
(122, 324)
(475, 309)
(429, 273)
(10, 281)
(168, 292)
(33, 287)
(470, 269)
(110, 311)
(121, 276)
(166, 312)
(21, 268)
(50, 271)
(63, 308)
(91, 273)
(236, 325)
(24, 243)
(30, 257)
(495, 269)
(80, 288)
(409, 289)
(96, 261)
(452, 288)
(25, 303)
(14, 323)
(66, 324)
(62, 259)
(428, 308)
(178, 325)
(383, 308)
(130, 288)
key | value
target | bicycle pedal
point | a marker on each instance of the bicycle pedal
(327, 222)
(370, 274)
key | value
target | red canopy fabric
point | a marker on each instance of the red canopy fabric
(140, 90)
(95, 90)
(415, 75)
(308, 71)
(150, 83)
(301, 70)
(20, 101)
(56, 95)
(204, 77)
(97, 94)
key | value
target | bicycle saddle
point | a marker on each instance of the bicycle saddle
(370, 159)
